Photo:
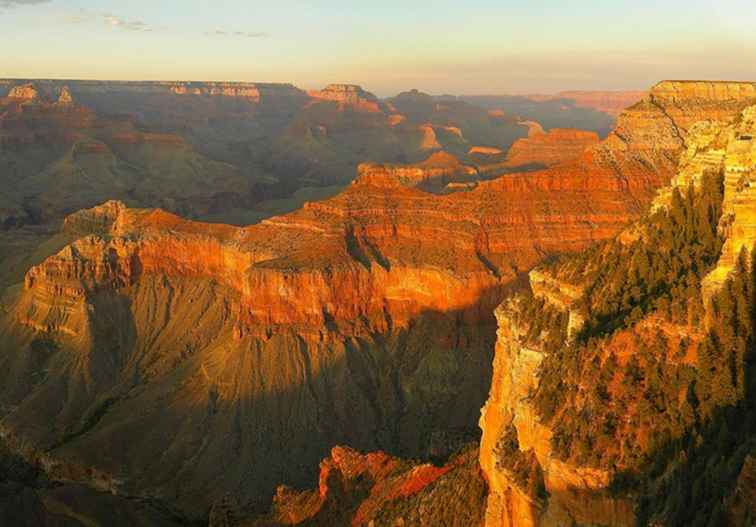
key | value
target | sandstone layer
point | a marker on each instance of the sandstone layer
(576, 495)
(582, 494)
(348, 96)
(364, 319)
(548, 149)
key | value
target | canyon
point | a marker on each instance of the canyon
(575, 492)
(194, 364)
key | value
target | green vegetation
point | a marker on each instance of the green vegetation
(655, 387)
(523, 466)
(456, 499)
(660, 271)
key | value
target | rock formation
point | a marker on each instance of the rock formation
(199, 352)
(737, 159)
(380, 490)
(176, 145)
(433, 174)
(65, 98)
(429, 141)
(573, 495)
(348, 96)
(24, 92)
(548, 149)
(485, 151)
(515, 433)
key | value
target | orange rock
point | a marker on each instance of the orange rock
(548, 149)
(348, 96)
(318, 326)
(25, 92)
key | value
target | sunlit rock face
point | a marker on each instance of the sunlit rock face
(348, 96)
(24, 92)
(552, 148)
(435, 173)
(728, 148)
(197, 352)
(65, 98)
(714, 139)
(576, 495)
(382, 491)
(738, 223)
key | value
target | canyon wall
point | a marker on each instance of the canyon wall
(198, 353)
(719, 143)
(574, 495)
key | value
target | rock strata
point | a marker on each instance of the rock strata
(363, 319)
(548, 149)
(575, 493)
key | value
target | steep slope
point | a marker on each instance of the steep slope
(623, 387)
(29, 499)
(379, 490)
(365, 319)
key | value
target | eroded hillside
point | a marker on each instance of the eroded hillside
(623, 385)
(199, 353)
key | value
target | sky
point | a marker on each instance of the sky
(441, 46)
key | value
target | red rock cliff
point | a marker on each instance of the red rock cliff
(356, 320)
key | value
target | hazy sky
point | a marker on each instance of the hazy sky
(472, 46)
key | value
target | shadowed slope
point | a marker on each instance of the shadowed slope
(214, 359)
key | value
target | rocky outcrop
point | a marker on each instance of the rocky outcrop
(688, 102)
(97, 221)
(202, 350)
(534, 128)
(379, 490)
(428, 141)
(348, 96)
(651, 135)
(65, 98)
(725, 148)
(434, 173)
(552, 148)
(574, 494)
(248, 91)
(485, 151)
(566, 297)
(737, 160)
(24, 92)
